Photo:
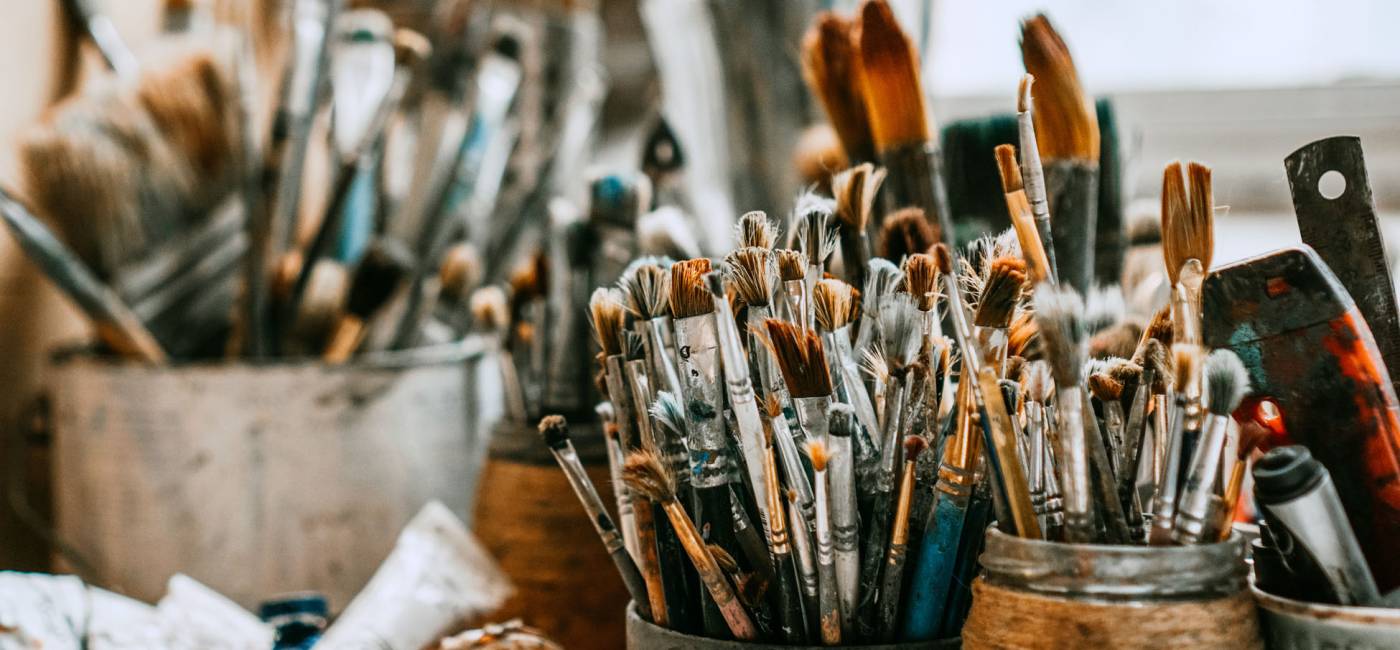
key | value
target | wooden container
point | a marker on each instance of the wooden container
(257, 479)
(1036, 594)
(642, 635)
(531, 521)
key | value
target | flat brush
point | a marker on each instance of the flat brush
(646, 287)
(1068, 132)
(644, 473)
(855, 190)
(802, 360)
(899, 119)
(1037, 254)
(828, 598)
(893, 576)
(555, 432)
(1226, 384)
(882, 277)
(904, 233)
(115, 324)
(1034, 174)
(1188, 243)
(792, 271)
(832, 301)
(817, 238)
(100, 29)
(606, 321)
(831, 66)
(379, 273)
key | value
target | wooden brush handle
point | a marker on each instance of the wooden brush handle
(740, 625)
(344, 340)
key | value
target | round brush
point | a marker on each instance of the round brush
(385, 265)
(1227, 383)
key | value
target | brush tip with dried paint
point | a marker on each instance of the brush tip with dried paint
(913, 446)
(644, 473)
(801, 358)
(831, 302)
(554, 429)
(1001, 292)
(818, 454)
(689, 296)
(1186, 361)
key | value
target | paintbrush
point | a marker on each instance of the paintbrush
(753, 275)
(1058, 314)
(921, 281)
(755, 230)
(1036, 203)
(1037, 255)
(1038, 387)
(622, 498)
(1151, 358)
(997, 301)
(882, 276)
(855, 190)
(816, 233)
(844, 515)
(794, 473)
(816, 155)
(787, 594)
(646, 286)
(555, 432)
(99, 28)
(490, 313)
(1226, 384)
(1068, 139)
(802, 360)
(115, 324)
(828, 595)
(832, 301)
(1252, 436)
(792, 272)
(1183, 419)
(379, 273)
(645, 474)
(831, 66)
(893, 577)
(802, 527)
(1109, 393)
(743, 402)
(606, 321)
(1188, 243)
(986, 395)
(899, 122)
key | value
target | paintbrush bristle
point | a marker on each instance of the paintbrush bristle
(607, 315)
(1023, 337)
(667, 410)
(1119, 340)
(817, 155)
(756, 230)
(488, 308)
(1201, 233)
(1015, 368)
(1001, 292)
(1037, 381)
(890, 66)
(384, 266)
(855, 190)
(772, 406)
(1009, 169)
(942, 257)
(1186, 362)
(904, 233)
(801, 358)
(792, 265)
(899, 327)
(647, 289)
(1023, 93)
(1125, 372)
(1066, 125)
(1103, 307)
(1178, 234)
(753, 274)
(554, 429)
(831, 300)
(831, 65)
(814, 226)
(913, 446)
(689, 297)
(1154, 359)
(873, 363)
(632, 347)
(817, 452)
(1058, 313)
(1159, 329)
(644, 474)
(921, 280)
(460, 270)
(530, 280)
(1227, 382)
(1105, 388)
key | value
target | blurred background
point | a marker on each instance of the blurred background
(1237, 85)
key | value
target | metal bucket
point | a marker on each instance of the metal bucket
(258, 479)
(1295, 625)
(642, 635)
(1038, 594)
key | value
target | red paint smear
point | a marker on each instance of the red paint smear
(1378, 425)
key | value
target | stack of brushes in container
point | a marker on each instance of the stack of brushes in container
(811, 440)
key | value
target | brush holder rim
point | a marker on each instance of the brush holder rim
(1115, 572)
(470, 349)
(1328, 615)
(643, 634)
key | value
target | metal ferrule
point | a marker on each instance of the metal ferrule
(1186, 303)
(916, 178)
(764, 365)
(812, 413)
(829, 598)
(635, 372)
(801, 527)
(1035, 467)
(845, 525)
(795, 296)
(592, 504)
(744, 405)
(883, 480)
(1074, 455)
(1113, 425)
(664, 375)
(1164, 501)
(793, 470)
(847, 374)
(626, 517)
(697, 346)
(1193, 511)
(809, 285)
(615, 376)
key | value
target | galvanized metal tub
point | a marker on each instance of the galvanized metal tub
(642, 635)
(1038, 594)
(1295, 625)
(259, 479)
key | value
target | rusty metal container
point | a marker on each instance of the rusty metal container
(1036, 594)
(1295, 625)
(642, 635)
(259, 479)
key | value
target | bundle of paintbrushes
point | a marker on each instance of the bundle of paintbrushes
(187, 224)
